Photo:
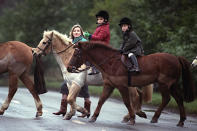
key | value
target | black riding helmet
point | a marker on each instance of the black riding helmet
(103, 14)
(125, 20)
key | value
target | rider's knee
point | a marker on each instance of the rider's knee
(130, 54)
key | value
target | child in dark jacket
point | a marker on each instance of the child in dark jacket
(132, 45)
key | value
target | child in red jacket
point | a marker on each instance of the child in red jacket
(101, 33)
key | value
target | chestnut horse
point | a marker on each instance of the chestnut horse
(163, 68)
(16, 58)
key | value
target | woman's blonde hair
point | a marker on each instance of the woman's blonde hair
(71, 31)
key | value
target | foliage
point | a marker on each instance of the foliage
(164, 26)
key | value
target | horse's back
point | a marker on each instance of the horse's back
(162, 63)
(162, 58)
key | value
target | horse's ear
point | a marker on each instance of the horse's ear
(51, 35)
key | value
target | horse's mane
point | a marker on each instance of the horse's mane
(97, 44)
(63, 37)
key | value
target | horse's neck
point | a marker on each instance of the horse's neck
(98, 57)
(61, 63)
(63, 57)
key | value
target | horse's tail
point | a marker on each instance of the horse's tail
(188, 85)
(147, 92)
(39, 82)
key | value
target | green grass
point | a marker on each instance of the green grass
(189, 107)
(156, 100)
(97, 90)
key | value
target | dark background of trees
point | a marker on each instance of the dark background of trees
(163, 25)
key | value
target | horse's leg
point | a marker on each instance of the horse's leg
(125, 96)
(136, 97)
(71, 99)
(165, 92)
(107, 90)
(179, 100)
(13, 81)
(30, 86)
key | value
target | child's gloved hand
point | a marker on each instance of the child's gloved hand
(86, 34)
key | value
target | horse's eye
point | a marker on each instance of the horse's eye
(44, 43)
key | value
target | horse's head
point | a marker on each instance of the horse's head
(54, 42)
(45, 45)
(194, 63)
(77, 59)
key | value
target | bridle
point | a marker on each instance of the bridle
(49, 42)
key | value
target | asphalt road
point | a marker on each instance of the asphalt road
(20, 116)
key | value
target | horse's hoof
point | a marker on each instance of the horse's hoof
(93, 119)
(180, 124)
(1, 112)
(67, 117)
(38, 114)
(141, 114)
(153, 121)
(132, 122)
(125, 120)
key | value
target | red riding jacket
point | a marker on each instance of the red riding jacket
(101, 33)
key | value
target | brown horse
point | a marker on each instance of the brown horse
(163, 68)
(16, 59)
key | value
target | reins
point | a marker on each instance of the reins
(65, 49)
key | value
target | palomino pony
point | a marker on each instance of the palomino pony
(62, 48)
(16, 58)
(163, 68)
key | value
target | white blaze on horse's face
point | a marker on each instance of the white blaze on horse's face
(194, 63)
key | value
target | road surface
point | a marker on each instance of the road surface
(20, 116)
